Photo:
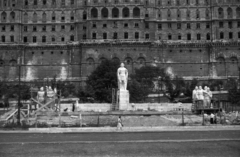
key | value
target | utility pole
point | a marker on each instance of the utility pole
(19, 93)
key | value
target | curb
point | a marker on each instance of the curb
(126, 129)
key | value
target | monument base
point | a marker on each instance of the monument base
(123, 99)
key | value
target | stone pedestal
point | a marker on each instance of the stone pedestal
(123, 99)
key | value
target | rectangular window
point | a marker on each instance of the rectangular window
(62, 39)
(125, 25)
(53, 18)
(179, 26)
(169, 25)
(136, 25)
(146, 25)
(44, 28)
(125, 35)
(207, 25)
(3, 39)
(159, 26)
(188, 26)
(62, 27)
(72, 28)
(230, 35)
(198, 25)
(53, 28)
(72, 2)
(44, 2)
(12, 38)
(94, 35)
(104, 25)
(34, 39)
(25, 39)
(189, 37)
(220, 24)
(147, 36)
(72, 38)
(3, 28)
(179, 37)
(238, 35)
(25, 28)
(198, 36)
(238, 24)
(136, 35)
(63, 18)
(94, 25)
(12, 28)
(104, 35)
(230, 24)
(34, 28)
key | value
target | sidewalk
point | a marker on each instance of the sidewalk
(125, 129)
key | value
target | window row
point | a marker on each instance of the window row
(52, 3)
(44, 39)
(229, 14)
(12, 16)
(182, 26)
(7, 3)
(35, 17)
(5, 28)
(115, 12)
(45, 28)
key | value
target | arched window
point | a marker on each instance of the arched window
(13, 62)
(44, 17)
(178, 14)
(94, 13)
(229, 13)
(234, 60)
(115, 13)
(141, 61)
(220, 60)
(197, 14)
(102, 59)
(220, 13)
(35, 18)
(136, 12)
(104, 12)
(90, 61)
(84, 15)
(128, 61)
(25, 18)
(207, 14)
(159, 2)
(12, 16)
(125, 12)
(4, 17)
(188, 14)
(238, 12)
(116, 59)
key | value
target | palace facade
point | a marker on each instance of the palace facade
(68, 39)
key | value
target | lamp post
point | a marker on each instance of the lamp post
(19, 94)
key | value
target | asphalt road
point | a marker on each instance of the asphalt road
(189, 143)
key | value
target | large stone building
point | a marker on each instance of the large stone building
(69, 38)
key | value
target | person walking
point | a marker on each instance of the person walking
(119, 125)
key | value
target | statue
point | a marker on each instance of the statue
(207, 97)
(40, 95)
(122, 74)
(200, 93)
(50, 96)
(195, 94)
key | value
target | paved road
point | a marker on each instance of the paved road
(206, 143)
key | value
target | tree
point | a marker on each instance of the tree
(102, 80)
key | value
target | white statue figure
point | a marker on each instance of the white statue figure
(195, 94)
(50, 96)
(205, 96)
(122, 74)
(40, 95)
(200, 93)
